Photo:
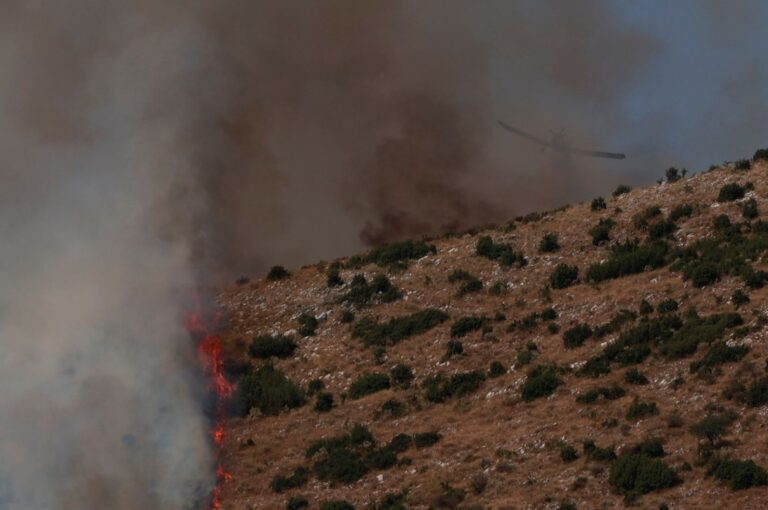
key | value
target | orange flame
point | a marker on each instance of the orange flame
(209, 356)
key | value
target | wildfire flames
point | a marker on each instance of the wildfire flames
(209, 355)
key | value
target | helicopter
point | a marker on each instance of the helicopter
(558, 144)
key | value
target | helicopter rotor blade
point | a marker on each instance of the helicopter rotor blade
(525, 135)
(595, 154)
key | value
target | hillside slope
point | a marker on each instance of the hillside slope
(504, 444)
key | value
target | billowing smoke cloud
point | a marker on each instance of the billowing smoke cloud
(148, 147)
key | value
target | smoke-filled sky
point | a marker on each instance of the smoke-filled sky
(153, 145)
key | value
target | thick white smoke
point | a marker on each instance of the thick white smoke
(99, 405)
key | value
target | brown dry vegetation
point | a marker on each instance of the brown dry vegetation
(493, 432)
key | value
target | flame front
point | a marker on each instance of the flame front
(209, 356)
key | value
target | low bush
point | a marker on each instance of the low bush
(760, 154)
(749, 209)
(757, 393)
(361, 293)
(643, 218)
(307, 324)
(390, 501)
(645, 308)
(542, 381)
(400, 443)
(621, 190)
(731, 192)
(278, 273)
(299, 478)
(425, 439)
(266, 346)
(696, 330)
(324, 402)
(739, 298)
(269, 390)
(397, 329)
(505, 254)
(616, 323)
(672, 174)
(576, 336)
(607, 392)
(713, 426)
(594, 452)
(681, 211)
(314, 386)
(742, 164)
(719, 353)
(601, 233)
(628, 258)
(454, 348)
(739, 474)
(401, 375)
(333, 276)
(549, 243)
(661, 229)
(640, 409)
(297, 503)
(598, 204)
(438, 388)
(633, 474)
(563, 276)
(652, 447)
(568, 453)
(347, 316)
(367, 384)
(634, 376)
(398, 253)
(466, 325)
(668, 306)
(338, 504)
(496, 370)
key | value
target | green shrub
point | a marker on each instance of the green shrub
(338, 504)
(542, 381)
(616, 323)
(601, 233)
(719, 353)
(425, 439)
(645, 308)
(268, 390)
(390, 501)
(496, 370)
(681, 211)
(401, 375)
(668, 306)
(713, 426)
(566, 505)
(641, 219)
(333, 276)
(466, 325)
(469, 282)
(749, 209)
(397, 329)
(696, 330)
(621, 190)
(400, 443)
(307, 324)
(608, 393)
(505, 254)
(640, 409)
(296, 503)
(568, 453)
(549, 243)
(266, 346)
(598, 204)
(438, 388)
(629, 258)
(497, 289)
(299, 478)
(361, 293)
(731, 192)
(314, 386)
(277, 273)
(760, 154)
(634, 376)
(742, 164)
(757, 393)
(594, 452)
(563, 276)
(702, 274)
(661, 229)
(400, 252)
(652, 447)
(576, 336)
(672, 174)
(524, 356)
(633, 474)
(394, 408)
(454, 348)
(739, 298)
(324, 402)
(348, 457)
(739, 474)
(368, 384)
(347, 316)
